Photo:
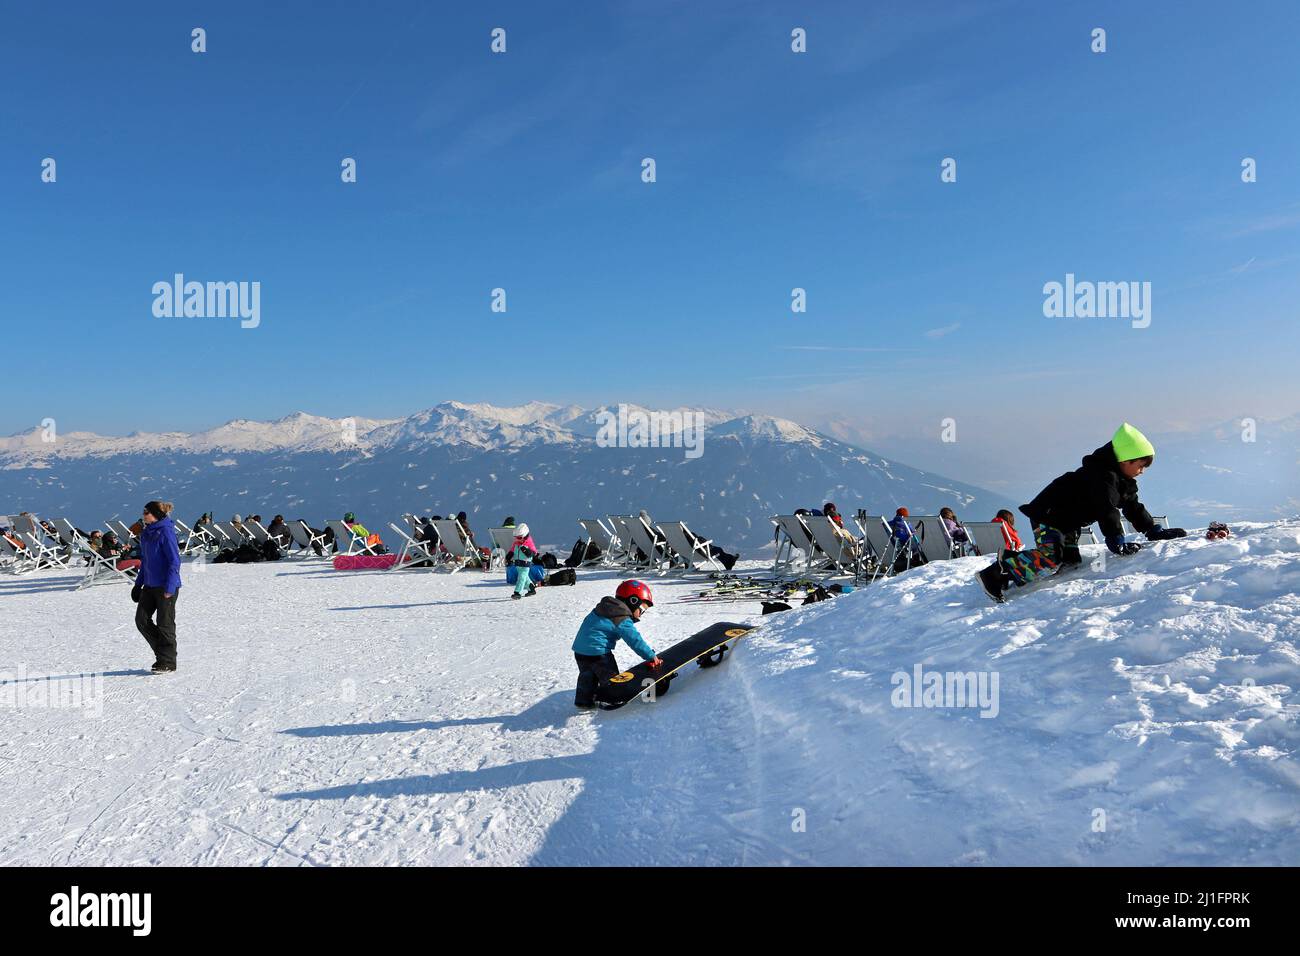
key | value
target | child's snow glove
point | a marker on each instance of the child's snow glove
(1164, 534)
(1117, 546)
(135, 591)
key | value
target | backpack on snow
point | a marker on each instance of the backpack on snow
(562, 576)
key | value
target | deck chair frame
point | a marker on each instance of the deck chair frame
(603, 537)
(841, 552)
(690, 547)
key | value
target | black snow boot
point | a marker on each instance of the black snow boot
(994, 581)
(160, 667)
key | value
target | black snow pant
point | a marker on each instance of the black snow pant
(592, 669)
(162, 635)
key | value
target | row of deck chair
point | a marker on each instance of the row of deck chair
(628, 541)
(827, 551)
(39, 548)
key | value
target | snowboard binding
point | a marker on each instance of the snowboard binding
(714, 657)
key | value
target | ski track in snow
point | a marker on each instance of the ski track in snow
(327, 718)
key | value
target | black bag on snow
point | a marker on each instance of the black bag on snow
(248, 554)
(577, 556)
(562, 576)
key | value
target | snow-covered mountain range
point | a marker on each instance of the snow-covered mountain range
(539, 462)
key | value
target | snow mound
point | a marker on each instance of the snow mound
(1144, 713)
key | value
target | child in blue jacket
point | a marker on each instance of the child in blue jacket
(613, 619)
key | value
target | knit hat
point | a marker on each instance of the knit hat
(521, 531)
(1129, 443)
(901, 513)
(236, 519)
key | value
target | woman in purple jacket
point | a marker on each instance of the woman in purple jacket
(158, 584)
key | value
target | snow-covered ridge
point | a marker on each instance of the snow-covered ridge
(480, 426)
(296, 432)
(1147, 713)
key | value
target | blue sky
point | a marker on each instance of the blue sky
(775, 170)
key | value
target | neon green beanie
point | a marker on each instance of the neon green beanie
(1130, 443)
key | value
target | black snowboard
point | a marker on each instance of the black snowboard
(708, 647)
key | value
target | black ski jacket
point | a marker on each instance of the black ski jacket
(1098, 492)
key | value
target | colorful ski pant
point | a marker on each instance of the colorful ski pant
(1052, 548)
(535, 574)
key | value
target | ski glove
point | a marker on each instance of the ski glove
(135, 591)
(1165, 534)
(1117, 546)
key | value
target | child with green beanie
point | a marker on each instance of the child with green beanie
(1100, 491)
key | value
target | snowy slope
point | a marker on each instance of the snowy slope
(327, 718)
(1162, 693)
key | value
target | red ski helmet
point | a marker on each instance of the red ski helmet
(634, 594)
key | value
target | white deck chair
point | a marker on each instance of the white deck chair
(690, 547)
(122, 531)
(638, 535)
(305, 540)
(627, 550)
(68, 533)
(17, 561)
(193, 540)
(988, 537)
(936, 545)
(452, 538)
(880, 539)
(841, 552)
(603, 537)
(1086, 536)
(229, 535)
(102, 570)
(47, 555)
(418, 551)
(346, 541)
(651, 543)
(793, 535)
(218, 539)
(503, 539)
(46, 551)
(255, 531)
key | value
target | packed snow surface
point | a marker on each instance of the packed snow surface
(1142, 713)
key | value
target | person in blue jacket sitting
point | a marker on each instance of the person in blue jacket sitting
(613, 619)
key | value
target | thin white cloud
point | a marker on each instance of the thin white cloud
(837, 348)
(941, 332)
